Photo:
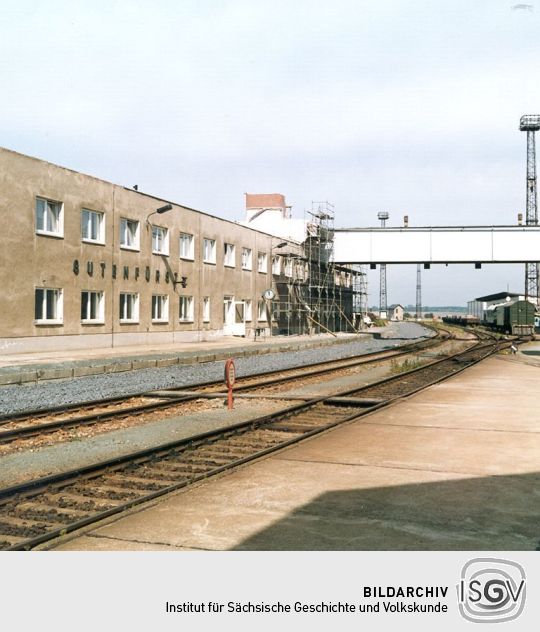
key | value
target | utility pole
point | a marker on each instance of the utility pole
(383, 301)
(530, 123)
(418, 291)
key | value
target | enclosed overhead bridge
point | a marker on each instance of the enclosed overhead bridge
(442, 244)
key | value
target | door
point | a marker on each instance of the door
(239, 327)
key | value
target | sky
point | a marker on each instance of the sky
(411, 107)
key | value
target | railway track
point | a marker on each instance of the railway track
(36, 423)
(40, 510)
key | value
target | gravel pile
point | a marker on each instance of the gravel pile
(56, 393)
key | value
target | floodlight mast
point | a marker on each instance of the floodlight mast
(530, 123)
(383, 297)
(418, 291)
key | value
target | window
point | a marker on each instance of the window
(92, 226)
(160, 240)
(246, 259)
(186, 246)
(206, 309)
(262, 265)
(49, 217)
(229, 255)
(129, 233)
(288, 267)
(92, 307)
(48, 306)
(228, 310)
(261, 310)
(129, 308)
(249, 310)
(186, 308)
(276, 265)
(209, 250)
(160, 308)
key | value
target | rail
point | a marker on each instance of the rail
(34, 512)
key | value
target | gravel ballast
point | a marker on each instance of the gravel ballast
(23, 397)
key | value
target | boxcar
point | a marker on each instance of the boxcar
(516, 317)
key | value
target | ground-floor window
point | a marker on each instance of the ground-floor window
(228, 310)
(160, 308)
(186, 309)
(249, 310)
(206, 309)
(261, 310)
(129, 308)
(92, 307)
(48, 308)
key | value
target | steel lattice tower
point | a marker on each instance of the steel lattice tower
(418, 291)
(530, 123)
(383, 300)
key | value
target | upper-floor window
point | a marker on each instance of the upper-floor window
(247, 257)
(276, 265)
(129, 233)
(92, 307)
(129, 308)
(186, 246)
(48, 306)
(186, 308)
(209, 250)
(160, 308)
(288, 267)
(92, 226)
(229, 255)
(49, 217)
(262, 262)
(160, 240)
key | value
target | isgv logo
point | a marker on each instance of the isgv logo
(491, 590)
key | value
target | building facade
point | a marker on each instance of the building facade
(86, 263)
(396, 312)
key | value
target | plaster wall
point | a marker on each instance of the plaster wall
(29, 260)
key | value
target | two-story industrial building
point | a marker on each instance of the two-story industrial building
(87, 263)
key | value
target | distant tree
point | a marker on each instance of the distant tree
(407, 315)
(429, 315)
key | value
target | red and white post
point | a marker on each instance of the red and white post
(230, 379)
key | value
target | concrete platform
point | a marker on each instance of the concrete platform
(456, 467)
(34, 367)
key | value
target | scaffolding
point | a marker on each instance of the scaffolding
(360, 295)
(319, 252)
(314, 294)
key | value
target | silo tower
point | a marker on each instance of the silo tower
(530, 123)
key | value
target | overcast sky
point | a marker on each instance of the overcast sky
(407, 106)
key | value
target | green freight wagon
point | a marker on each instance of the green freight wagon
(516, 317)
